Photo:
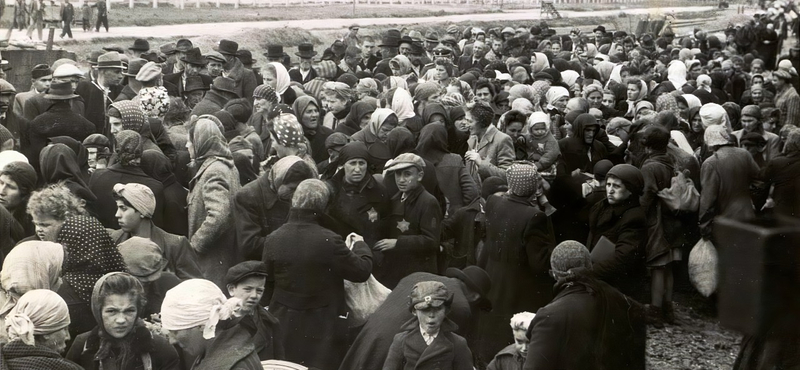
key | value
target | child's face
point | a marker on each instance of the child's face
(431, 318)
(521, 342)
(609, 100)
(539, 129)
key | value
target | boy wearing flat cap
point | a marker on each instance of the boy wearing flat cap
(246, 281)
(414, 225)
(428, 341)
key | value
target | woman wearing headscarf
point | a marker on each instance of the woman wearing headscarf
(360, 113)
(158, 166)
(400, 101)
(381, 123)
(262, 206)
(288, 139)
(338, 98)
(80, 150)
(637, 91)
(59, 163)
(120, 340)
(782, 172)
(34, 265)
(17, 182)
(276, 75)
(457, 137)
(130, 116)
(734, 115)
(306, 109)
(89, 254)
(703, 91)
(197, 316)
(358, 203)
(556, 98)
(454, 180)
(245, 159)
(127, 169)
(401, 67)
(211, 198)
(519, 240)
(37, 329)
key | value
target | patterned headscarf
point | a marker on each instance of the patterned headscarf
(154, 101)
(717, 135)
(523, 179)
(265, 92)
(129, 148)
(340, 89)
(90, 254)
(288, 132)
(132, 114)
(326, 69)
(452, 100)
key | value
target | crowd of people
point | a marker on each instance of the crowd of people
(510, 198)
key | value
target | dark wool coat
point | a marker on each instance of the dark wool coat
(162, 355)
(309, 297)
(465, 63)
(37, 104)
(449, 351)
(59, 120)
(589, 325)
(259, 212)
(507, 359)
(462, 231)
(662, 226)
(371, 346)
(231, 349)
(181, 258)
(177, 80)
(266, 331)
(211, 103)
(360, 208)
(102, 185)
(416, 224)
(725, 178)
(455, 182)
(155, 291)
(97, 104)
(245, 79)
(296, 76)
(175, 214)
(17, 355)
(624, 225)
(784, 173)
(318, 150)
(519, 240)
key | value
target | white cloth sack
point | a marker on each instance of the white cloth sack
(703, 267)
(363, 298)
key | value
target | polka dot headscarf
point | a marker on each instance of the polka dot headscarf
(288, 131)
(523, 179)
(91, 253)
(132, 115)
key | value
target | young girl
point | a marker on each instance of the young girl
(542, 147)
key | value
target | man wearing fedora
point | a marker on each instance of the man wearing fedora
(469, 286)
(58, 120)
(244, 79)
(222, 90)
(430, 42)
(139, 47)
(132, 86)
(192, 62)
(38, 104)
(304, 73)
(351, 38)
(194, 92)
(246, 57)
(98, 94)
(174, 64)
(389, 48)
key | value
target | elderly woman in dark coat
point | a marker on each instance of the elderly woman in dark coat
(211, 201)
(127, 169)
(519, 239)
(307, 111)
(60, 163)
(309, 293)
(454, 180)
(620, 221)
(120, 340)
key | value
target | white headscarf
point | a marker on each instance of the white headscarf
(570, 77)
(282, 80)
(692, 100)
(32, 265)
(196, 302)
(676, 73)
(553, 94)
(37, 312)
(704, 82)
(713, 114)
(402, 105)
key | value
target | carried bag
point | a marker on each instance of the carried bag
(681, 195)
(703, 267)
(363, 299)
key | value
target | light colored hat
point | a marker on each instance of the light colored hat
(67, 70)
(405, 160)
(150, 71)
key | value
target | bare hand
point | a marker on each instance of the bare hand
(385, 245)
(473, 156)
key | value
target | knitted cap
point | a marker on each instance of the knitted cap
(568, 255)
(265, 92)
(630, 176)
(752, 111)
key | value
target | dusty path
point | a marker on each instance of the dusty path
(229, 28)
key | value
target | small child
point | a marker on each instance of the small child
(513, 356)
(542, 147)
(427, 340)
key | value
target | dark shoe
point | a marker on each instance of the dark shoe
(654, 316)
(669, 313)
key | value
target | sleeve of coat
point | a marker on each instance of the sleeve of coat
(773, 147)
(462, 356)
(185, 261)
(395, 359)
(352, 265)
(626, 249)
(249, 85)
(709, 183)
(430, 232)
(546, 332)
(503, 158)
(469, 190)
(792, 109)
(539, 243)
(248, 227)
(551, 153)
(216, 197)
(650, 192)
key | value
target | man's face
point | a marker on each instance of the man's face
(42, 83)
(484, 94)
(737, 65)
(616, 192)
(479, 50)
(756, 69)
(521, 342)
(556, 48)
(609, 100)
(191, 69)
(128, 217)
(750, 123)
(596, 99)
(368, 49)
(429, 45)
(334, 104)
(352, 60)
(111, 76)
(194, 97)
(778, 83)
(431, 319)
(408, 179)
(305, 64)
(215, 68)
(588, 134)
(249, 290)
(405, 49)
(497, 46)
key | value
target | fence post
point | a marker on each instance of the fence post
(217, 3)
(198, 4)
(155, 4)
(130, 4)
(236, 4)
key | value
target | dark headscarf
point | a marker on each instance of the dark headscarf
(734, 114)
(434, 108)
(399, 141)
(432, 143)
(353, 150)
(129, 148)
(90, 254)
(80, 151)
(246, 168)
(57, 162)
(299, 107)
(352, 124)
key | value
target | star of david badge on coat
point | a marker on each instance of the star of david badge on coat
(373, 214)
(403, 225)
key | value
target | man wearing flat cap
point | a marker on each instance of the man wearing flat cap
(469, 287)
(413, 227)
(98, 94)
(428, 341)
(247, 281)
(244, 79)
(41, 76)
(222, 90)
